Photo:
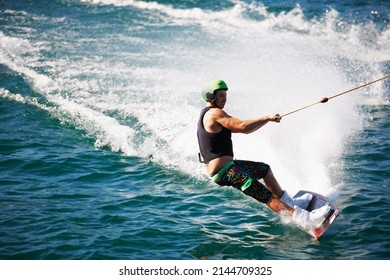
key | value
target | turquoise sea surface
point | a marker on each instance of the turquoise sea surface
(99, 101)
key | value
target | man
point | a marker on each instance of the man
(215, 127)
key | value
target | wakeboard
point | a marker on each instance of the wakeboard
(316, 202)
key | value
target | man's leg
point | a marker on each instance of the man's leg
(272, 184)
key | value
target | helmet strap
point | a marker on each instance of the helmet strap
(214, 100)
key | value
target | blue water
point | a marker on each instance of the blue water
(98, 108)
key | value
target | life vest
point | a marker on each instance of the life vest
(213, 145)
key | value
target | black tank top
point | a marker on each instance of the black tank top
(213, 145)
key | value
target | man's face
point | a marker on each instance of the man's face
(221, 98)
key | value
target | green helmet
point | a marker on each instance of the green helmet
(208, 93)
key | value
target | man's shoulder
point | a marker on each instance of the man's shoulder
(217, 112)
(213, 116)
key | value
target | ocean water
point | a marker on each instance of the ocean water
(99, 101)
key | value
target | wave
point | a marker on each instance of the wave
(255, 18)
(12, 50)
